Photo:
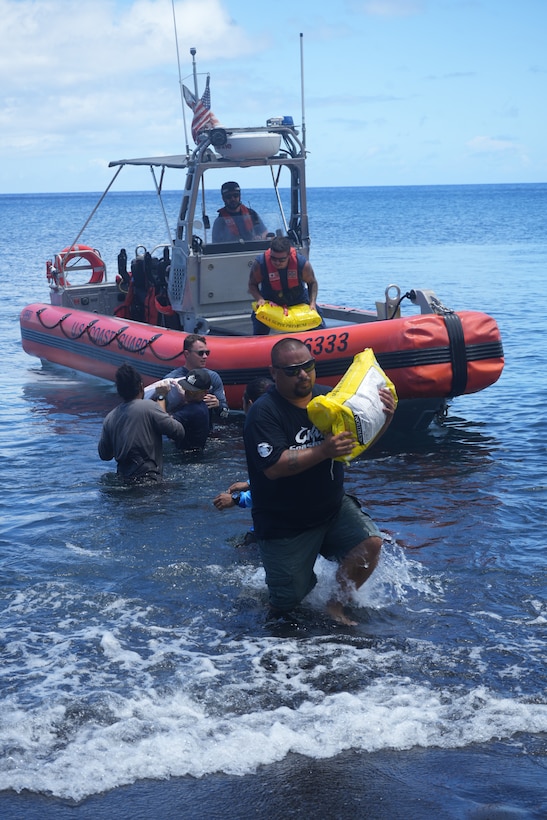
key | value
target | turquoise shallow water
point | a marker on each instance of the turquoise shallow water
(137, 669)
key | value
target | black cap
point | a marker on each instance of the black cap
(230, 186)
(196, 380)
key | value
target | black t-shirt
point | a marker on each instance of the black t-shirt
(286, 506)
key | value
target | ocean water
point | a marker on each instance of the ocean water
(138, 676)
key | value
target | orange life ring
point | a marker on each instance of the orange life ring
(92, 256)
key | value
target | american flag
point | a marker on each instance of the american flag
(203, 116)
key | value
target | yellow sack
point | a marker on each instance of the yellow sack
(287, 319)
(354, 404)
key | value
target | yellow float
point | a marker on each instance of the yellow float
(287, 319)
(354, 404)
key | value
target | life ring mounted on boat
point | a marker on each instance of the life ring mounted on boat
(68, 259)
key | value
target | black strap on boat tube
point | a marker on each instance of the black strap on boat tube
(458, 353)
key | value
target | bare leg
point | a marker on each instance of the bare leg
(357, 566)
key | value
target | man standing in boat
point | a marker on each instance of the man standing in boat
(300, 507)
(283, 276)
(235, 222)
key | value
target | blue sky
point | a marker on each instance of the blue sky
(397, 92)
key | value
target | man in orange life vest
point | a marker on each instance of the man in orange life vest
(283, 276)
(235, 222)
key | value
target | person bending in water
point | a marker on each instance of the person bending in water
(300, 509)
(193, 413)
(133, 432)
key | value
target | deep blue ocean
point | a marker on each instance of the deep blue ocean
(138, 677)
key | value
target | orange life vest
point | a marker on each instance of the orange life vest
(231, 223)
(272, 280)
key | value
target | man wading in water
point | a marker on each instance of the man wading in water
(300, 508)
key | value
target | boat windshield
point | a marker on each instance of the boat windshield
(253, 209)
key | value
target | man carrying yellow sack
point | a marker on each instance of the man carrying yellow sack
(300, 508)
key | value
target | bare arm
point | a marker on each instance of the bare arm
(254, 281)
(239, 487)
(293, 462)
(105, 446)
(309, 278)
(224, 500)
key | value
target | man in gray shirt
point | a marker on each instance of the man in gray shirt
(132, 432)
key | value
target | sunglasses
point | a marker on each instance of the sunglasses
(294, 369)
(231, 196)
(200, 352)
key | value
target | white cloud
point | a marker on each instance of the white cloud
(491, 145)
(85, 71)
(499, 150)
(66, 44)
(393, 8)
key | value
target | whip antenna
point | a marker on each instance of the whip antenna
(180, 78)
(194, 72)
(302, 88)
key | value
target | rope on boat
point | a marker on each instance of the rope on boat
(105, 344)
(51, 327)
(84, 330)
(146, 343)
(407, 295)
(158, 357)
(436, 305)
(113, 336)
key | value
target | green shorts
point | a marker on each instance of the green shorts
(289, 562)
